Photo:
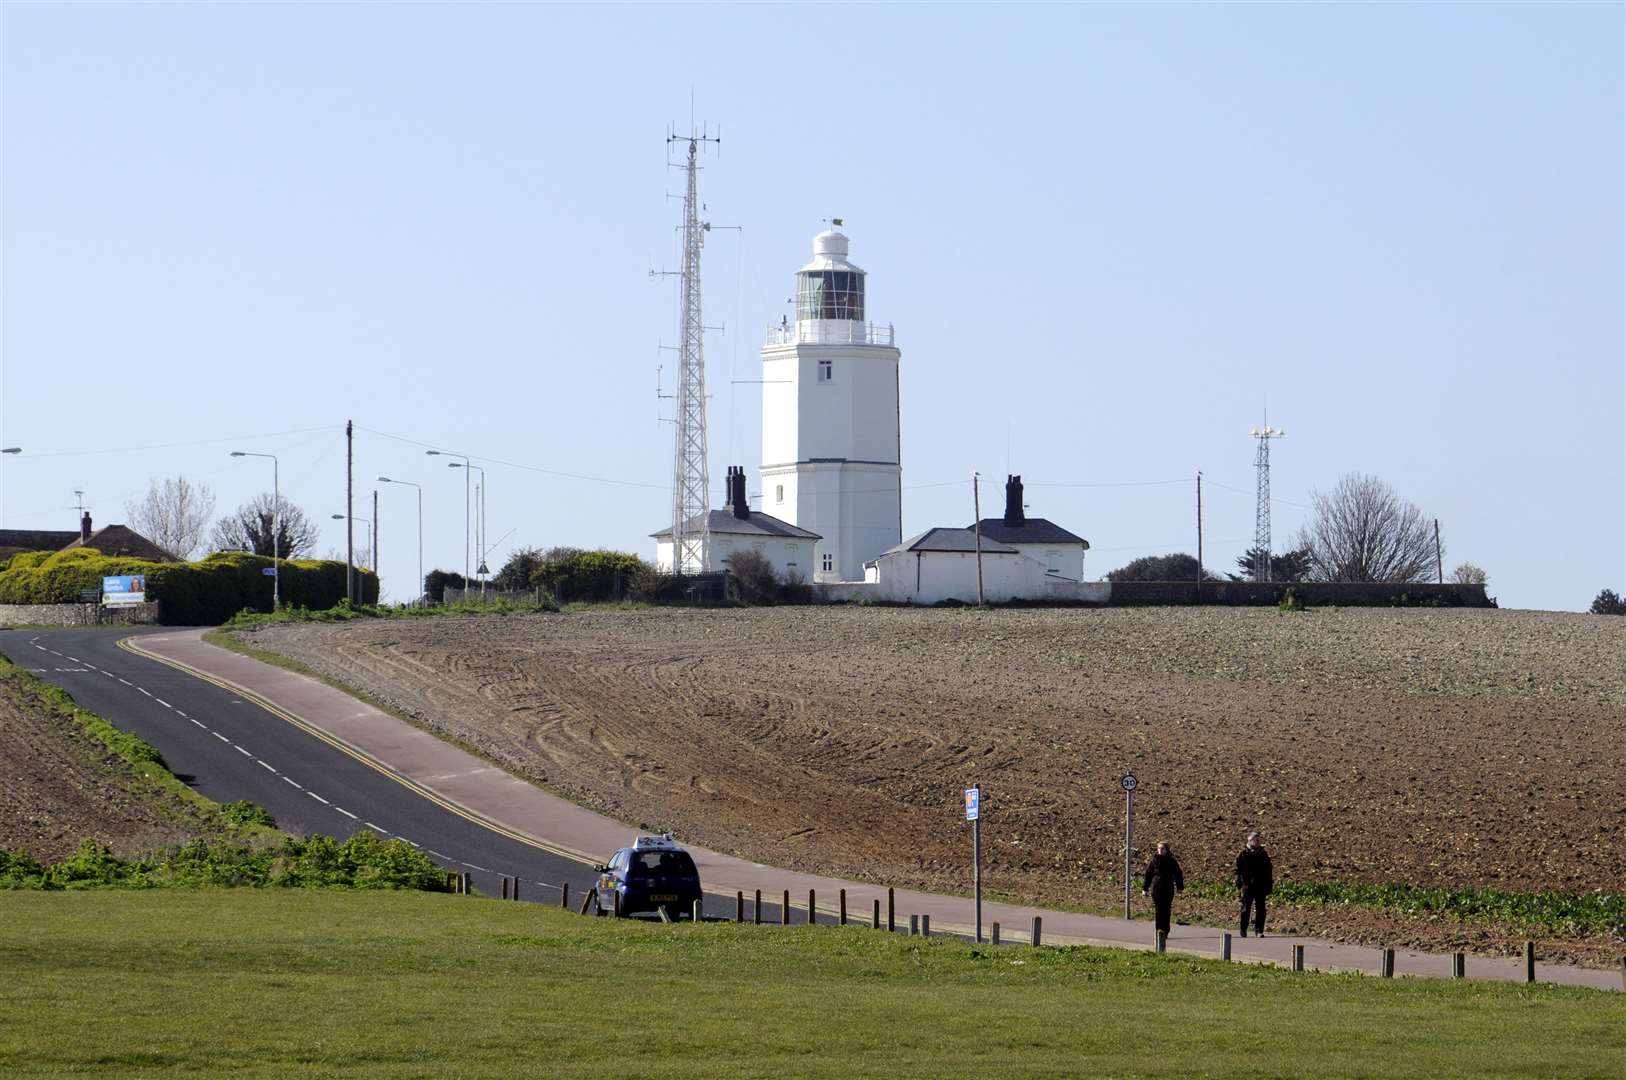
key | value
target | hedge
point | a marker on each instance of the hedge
(202, 593)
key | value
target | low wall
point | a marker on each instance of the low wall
(1312, 593)
(79, 614)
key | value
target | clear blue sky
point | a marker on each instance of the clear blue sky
(1108, 238)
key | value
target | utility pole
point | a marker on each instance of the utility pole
(375, 538)
(1199, 534)
(1439, 556)
(976, 509)
(350, 510)
(1261, 513)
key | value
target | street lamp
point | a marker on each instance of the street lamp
(465, 457)
(12, 450)
(409, 483)
(480, 521)
(276, 525)
(370, 528)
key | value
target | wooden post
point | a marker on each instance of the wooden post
(784, 909)
(875, 920)
(661, 911)
(564, 896)
(756, 909)
(516, 888)
(1623, 973)
(1038, 925)
(505, 888)
(812, 909)
(925, 926)
(891, 911)
(1298, 957)
(615, 903)
(739, 906)
(994, 939)
(451, 883)
(699, 915)
(1386, 966)
(842, 918)
(914, 925)
(468, 882)
(1225, 945)
(1162, 942)
(587, 899)
(1530, 961)
(1459, 966)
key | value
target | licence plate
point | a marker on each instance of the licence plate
(663, 896)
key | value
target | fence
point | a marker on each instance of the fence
(488, 595)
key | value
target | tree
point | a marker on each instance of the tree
(1363, 531)
(1180, 567)
(570, 573)
(1288, 566)
(436, 582)
(1469, 574)
(173, 514)
(516, 572)
(249, 529)
(1608, 603)
(754, 577)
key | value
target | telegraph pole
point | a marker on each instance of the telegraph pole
(350, 510)
(375, 535)
(976, 509)
(1439, 556)
(1199, 534)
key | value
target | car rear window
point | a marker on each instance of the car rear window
(662, 863)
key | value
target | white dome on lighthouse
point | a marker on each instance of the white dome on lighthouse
(830, 253)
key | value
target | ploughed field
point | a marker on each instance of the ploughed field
(1438, 748)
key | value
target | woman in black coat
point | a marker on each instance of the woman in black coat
(1161, 881)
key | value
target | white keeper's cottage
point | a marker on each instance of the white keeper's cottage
(739, 528)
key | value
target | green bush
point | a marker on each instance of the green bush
(242, 812)
(571, 574)
(206, 592)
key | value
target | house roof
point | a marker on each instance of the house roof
(755, 524)
(960, 540)
(14, 540)
(123, 541)
(1030, 531)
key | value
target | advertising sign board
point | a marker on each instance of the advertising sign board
(124, 589)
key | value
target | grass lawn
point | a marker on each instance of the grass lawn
(280, 983)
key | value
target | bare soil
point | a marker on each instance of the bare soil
(1434, 747)
(59, 786)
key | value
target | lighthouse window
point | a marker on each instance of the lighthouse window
(779, 493)
(830, 294)
(826, 369)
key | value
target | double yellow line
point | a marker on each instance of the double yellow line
(128, 644)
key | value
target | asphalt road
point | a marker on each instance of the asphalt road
(229, 748)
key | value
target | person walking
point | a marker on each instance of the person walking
(1254, 880)
(1161, 881)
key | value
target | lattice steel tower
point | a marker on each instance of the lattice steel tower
(691, 488)
(1261, 513)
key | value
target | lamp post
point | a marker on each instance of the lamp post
(276, 525)
(480, 520)
(410, 484)
(369, 523)
(465, 457)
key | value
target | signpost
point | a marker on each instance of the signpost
(973, 814)
(1129, 784)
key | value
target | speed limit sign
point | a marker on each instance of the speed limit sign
(1129, 781)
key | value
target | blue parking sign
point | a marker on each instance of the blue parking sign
(973, 800)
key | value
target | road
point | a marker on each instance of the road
(228, 748)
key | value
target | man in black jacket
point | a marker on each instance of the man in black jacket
(1161, 881)
(1255, 880)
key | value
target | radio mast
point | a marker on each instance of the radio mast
(1261, 513)
(691, 486)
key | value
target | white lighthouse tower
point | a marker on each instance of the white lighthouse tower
(830, 438)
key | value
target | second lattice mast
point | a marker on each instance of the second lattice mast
(691, 487)
(1261, 513)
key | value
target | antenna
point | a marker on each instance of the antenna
(79, 500)
(1261, 513)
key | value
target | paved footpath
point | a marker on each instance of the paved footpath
(444, 772)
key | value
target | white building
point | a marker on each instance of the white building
(1059, 551)
(830, 432)
(739, 528)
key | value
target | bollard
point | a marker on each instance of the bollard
(1162, 942)
(1225, 945)
(699, 915)
(1298, 958)
(843, 906)
(784, 909)
(661, 911)
(587, 899)
(615, 903)
(812, 911)
(1623, 973)
(995, 939)
(451, 885)
(739, 907)
(516, 888)
(891, 922)
(1038, 925)
(505, 888)
(756, 909)
(914, 925)
(1530, 961)
(468, 883)
(1459, 966)
(875, 920)
(925, 926)
(564, 896)
(1386, 966)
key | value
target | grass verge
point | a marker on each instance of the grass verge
(274, 984)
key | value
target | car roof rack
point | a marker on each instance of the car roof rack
(663, 842)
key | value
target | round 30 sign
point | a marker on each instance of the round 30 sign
(1128, 781)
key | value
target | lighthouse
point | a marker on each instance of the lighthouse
(830, 417)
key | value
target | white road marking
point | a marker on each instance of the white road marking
(53, 652)
(219, 736)
(90, 667)
(414, 843)
(76, 660)
(318, 798)
(375, 828)
(482, 869)
(110, 675)
(164, 703)
(437, 854)
(240, 750)
(266, 767)
(41, 648)
(125, 681)
(285, 780)
(346, 813)
(199, 723)
(144, 690)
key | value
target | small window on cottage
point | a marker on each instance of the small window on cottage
(779, 493)
(825, 370)
(829, 563)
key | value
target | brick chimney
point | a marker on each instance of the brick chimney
(84, 528)
(1013, 501)
(736, 492)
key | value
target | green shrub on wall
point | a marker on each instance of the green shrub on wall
(205, 592)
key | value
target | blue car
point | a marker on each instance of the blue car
(654, 873)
